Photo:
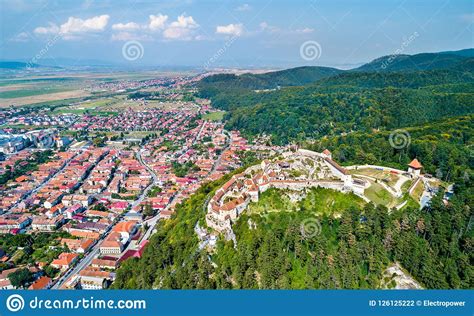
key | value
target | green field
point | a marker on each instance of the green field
(406, 185)
(377, 194)
(37, 81)
(29, 92)
(418, 191)
(272, 201)
(66, 110)
(386, 176)
(214, 116)
(55, 103)
(91, 106)
(319, 201)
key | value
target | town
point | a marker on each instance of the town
(88, 190)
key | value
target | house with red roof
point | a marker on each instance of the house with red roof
(119, 206)
(112, 245)
(414, 167)
(64, 261)
(42, 283)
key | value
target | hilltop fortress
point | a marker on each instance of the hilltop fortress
(296, 171)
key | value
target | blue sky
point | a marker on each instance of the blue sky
(231, 33)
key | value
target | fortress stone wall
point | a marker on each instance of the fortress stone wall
(296, 171)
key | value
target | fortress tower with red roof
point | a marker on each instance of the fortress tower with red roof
(414, 167)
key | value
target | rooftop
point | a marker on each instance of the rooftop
(415, 164)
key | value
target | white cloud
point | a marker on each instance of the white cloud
(265, 27)
(231, 29)
(183, 28)
(157, 22)
(177, 33)
(201, 37)
(243, 7)
(305, 30)
(469, 17)
(77, 25)
(185, 22)
(21, 37)
(51, 29)
(130, 26)
(127, 36)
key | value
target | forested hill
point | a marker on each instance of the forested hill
(300, 76)
(270, 80)
(16, 65)
(424, 61)
(346, 102)
(461, 72)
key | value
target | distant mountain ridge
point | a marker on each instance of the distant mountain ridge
(271, 80)
(301, 76)
(468, 52)
(417, 62)
(17, 65)
(415, 90)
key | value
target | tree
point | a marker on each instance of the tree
(50, 271)
(148, 210)
(21, 278)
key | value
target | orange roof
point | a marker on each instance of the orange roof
(326, 152)
(84, 234)
(40, 284)
(112, 241)
(71, 243)
(94, 273)
(125, 226)
(86, 243)
(64, 259)
(415, 164)
(111, 244)
(104, 262)
(21, 178)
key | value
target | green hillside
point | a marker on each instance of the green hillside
(417, 62)
(271, 80)
(273, 251)
(16, 65)
(347, 102)
(445, 147)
